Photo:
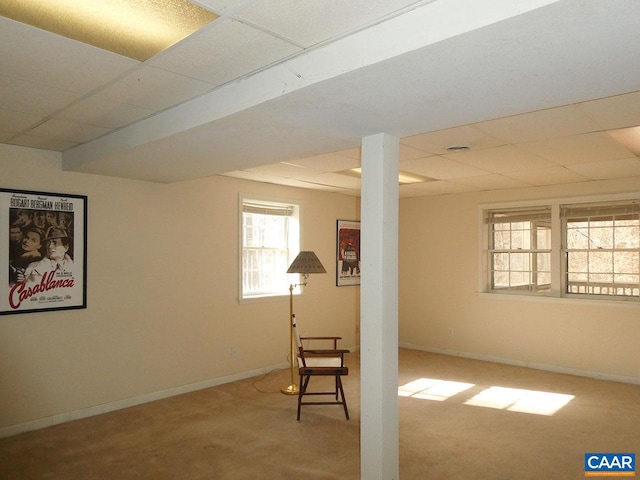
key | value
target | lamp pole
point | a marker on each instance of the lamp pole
(292, 389)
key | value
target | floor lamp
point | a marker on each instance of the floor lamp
(305, 263)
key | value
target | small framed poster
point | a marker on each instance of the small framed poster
(43, 257)
(348, 253)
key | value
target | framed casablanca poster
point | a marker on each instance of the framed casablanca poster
(43, 255)
(348, 253)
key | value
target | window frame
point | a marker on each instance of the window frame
(559, 276)
(294, 243)
(513, 217)
(599, 212)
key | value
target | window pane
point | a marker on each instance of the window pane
(502, 240)
(601, 237)
(626, 262)
(265, 230)
(544, 262)
(577, 262)
(518, 239)
(600, 278)
(520, 262)
(501, 261)
(577, 236)
(544, 278)
(544, 239)
(601, 262)
(577, 277)
(265, 271)
(627, 236)
(519, 279)
(626, 279)
(500, 279)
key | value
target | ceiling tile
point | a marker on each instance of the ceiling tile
(285, 170)
(253, 176)
(409, 153)
(492, 182)
(224, 51)
(434, 188)
(258, 177)
(628, 167)
(43, 143)
(101, 112)
(437, 142)
(25, 96)
(306, 22)
(502, 159)
(154, 88)
(81, 69)
(323, 188)
(620, 111)
(59, 129)
(331, 162)
(12, 123)
(293, 182)
(334, 179)
(440, 168)
(352, 153)
(549, 176)
(540, 125)
(586, 148)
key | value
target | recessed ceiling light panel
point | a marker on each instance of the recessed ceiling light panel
(404, 178)
(135, 29)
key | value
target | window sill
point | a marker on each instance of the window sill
(604, 302)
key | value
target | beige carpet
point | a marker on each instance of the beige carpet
(248, 430)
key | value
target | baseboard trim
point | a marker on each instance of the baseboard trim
(131, 402)
(519, 363)
(11, 430)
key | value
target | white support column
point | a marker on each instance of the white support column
(379, 442)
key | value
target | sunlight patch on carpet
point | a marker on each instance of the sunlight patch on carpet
(519, 400)
(502, 398)
(433, 389)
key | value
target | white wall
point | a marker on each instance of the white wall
(162, 281)
(439, 265)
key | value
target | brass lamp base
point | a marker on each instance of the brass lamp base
(291, 389)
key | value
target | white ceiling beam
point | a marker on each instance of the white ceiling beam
(424, 26)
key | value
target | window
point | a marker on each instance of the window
(587, 250)
(520, 250)
(602, 249)
(270, 238)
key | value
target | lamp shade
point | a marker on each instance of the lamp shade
(305, 263)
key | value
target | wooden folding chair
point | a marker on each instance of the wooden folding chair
(324, 362)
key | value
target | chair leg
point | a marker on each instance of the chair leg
(304, 381)
(344, 400)
(339, 394)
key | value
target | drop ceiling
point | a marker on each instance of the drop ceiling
(542, 92)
